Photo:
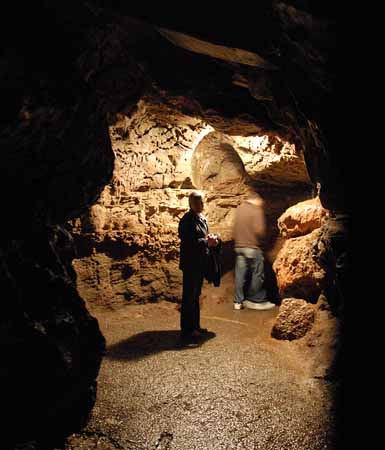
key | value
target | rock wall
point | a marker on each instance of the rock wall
(67, 69)
(57, 151)
(127, 243)
(302, 267)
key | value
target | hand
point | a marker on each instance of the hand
(212, 240)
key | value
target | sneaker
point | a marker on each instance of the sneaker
(238, 305)
(260, 305)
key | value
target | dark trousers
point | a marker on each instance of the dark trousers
(190, 311)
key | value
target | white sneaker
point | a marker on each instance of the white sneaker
(260, 306)
(238, 305)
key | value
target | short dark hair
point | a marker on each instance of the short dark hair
(195, 195)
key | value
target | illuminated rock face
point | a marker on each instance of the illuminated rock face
(128, 245)
(272, 159)
(298, 268)
(302, 218)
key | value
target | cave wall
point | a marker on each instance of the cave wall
(57, 156)
(127, 243)
(66, 70)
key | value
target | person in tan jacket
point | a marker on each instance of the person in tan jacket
(249, 230)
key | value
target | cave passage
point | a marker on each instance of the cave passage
(112, 114)
(241, 387)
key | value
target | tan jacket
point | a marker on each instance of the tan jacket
(249, 225)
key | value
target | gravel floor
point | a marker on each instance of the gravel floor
(239, 389)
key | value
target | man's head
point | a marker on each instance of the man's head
(195, 201)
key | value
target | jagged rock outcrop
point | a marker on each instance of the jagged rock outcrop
(302, 218)
(299, 269)
(273, 159)
(295, 319)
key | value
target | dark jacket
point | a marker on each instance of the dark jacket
(214, 269)
(194, 251)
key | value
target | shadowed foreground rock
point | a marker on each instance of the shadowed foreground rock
(295, 319)
(57, 154)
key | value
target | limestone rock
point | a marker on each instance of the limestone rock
(272, 158)
(216, 165)
(298, 267)
(128, 244)
(295, 319)
(302, 218)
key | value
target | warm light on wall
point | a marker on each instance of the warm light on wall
(266, 143)
(254, 143)
(204, 132)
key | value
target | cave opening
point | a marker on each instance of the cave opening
(127, 271)
(111, 133)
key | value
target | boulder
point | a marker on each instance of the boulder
(295, 319)
(302, 218)
(298, 267)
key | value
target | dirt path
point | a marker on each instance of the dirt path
(239, 389)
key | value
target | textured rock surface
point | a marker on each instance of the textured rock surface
(128, 245)
(272, 159)
(302, 218)
(298, 267)
(336, 239)
(295, 319)
(56, 150)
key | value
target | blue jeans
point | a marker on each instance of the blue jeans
(249, 261)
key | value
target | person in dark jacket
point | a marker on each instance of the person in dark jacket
(195, 246)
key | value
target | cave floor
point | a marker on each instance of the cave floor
(240, 389)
